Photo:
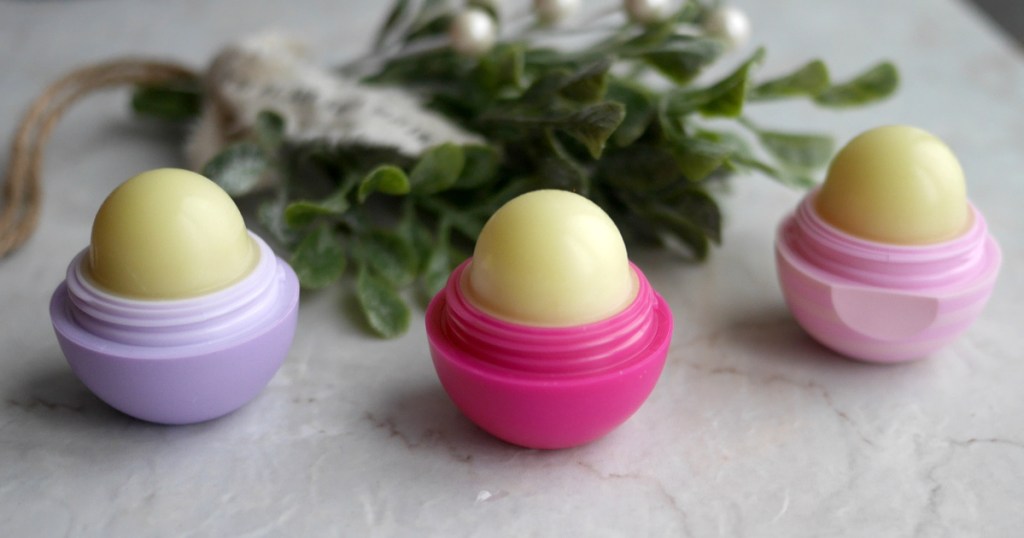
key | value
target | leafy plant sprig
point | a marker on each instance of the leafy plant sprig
(621, 121)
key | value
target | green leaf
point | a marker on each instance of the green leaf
(438, 169)
(436, 271)
(492, 201)
(546, 86)
(270, 215)
(810, 80)
(697, 157)
(646, 41)
(436, 67)
(239, 168)
(467, 225)
(691, 215)
(736, 144)
(790, 178)
(269, 130)
(800, 151)
(588, 84)
(593, 125)
(698, 207)
(399, 11)
(683, 229)
(386, 178)
(301, 213)
(584, 83)
(639, 168)
(875, 84)
(438, 265)
(555, 167)
(318, 259)
(690, 12)
(385, 311)
(556, 172)
(413, 229)
(465, 222)
(540, 58)
(724, 98)
(501, 68)
(682, 58)
(479, 168)
(173, 101)
(731, 92)
(639, 104)
(430, 23)
(389, 255)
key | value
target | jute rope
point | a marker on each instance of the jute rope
(22, 193)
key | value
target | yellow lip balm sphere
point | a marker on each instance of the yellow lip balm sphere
(169, 234)
(896, 184)
(550, 258)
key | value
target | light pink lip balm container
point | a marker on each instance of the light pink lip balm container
(879, 301)
(175, 313)
(547, 387)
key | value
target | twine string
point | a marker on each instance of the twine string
(22, 190)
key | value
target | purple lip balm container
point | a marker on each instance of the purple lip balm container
(178, 360)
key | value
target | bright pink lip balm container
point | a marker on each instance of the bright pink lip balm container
(882, 301)
(175, 360)
(547, 387)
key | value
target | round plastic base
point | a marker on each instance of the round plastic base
(189, 372)
(519, 395)
(878, 302)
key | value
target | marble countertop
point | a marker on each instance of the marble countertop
(753, 429)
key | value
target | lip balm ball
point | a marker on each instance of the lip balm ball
(896, 184)
(169, 234)
(550, 258)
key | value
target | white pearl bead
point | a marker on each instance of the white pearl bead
(730, 24)
(555, 11)
(473, 32)
(647, 11)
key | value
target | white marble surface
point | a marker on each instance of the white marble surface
(753, 430)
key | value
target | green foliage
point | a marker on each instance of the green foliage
(386, 178)
(808, 81)
(174, 101)
(389, 256)
(619, 120)
(385, 311)
(243, 167)
(318, 259)
(798, 151)
(239, 168)
(300, 213)
(812, 80)
(872, 85)
(437, 170)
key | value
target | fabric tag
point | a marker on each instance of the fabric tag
(273, 72)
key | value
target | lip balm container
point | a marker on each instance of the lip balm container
(175, 313)
(548, 337)
(887, 261)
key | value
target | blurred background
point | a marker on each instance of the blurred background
(1008, 14)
